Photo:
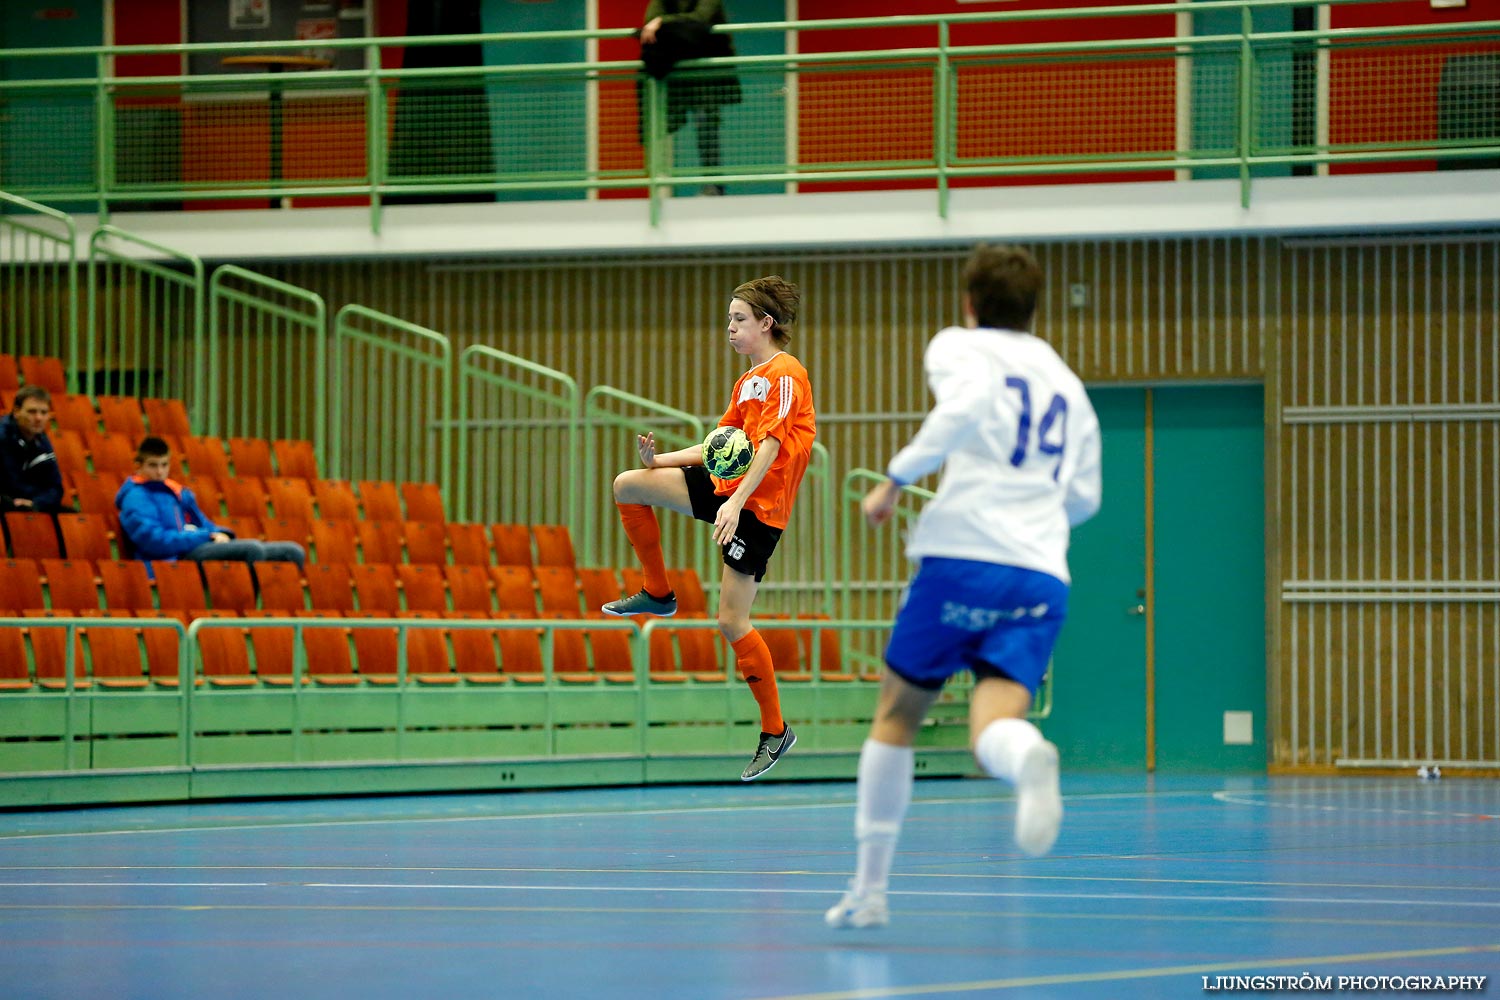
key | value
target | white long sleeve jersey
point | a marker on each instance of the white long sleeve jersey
(1019, 442)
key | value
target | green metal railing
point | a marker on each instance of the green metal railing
(201, 714)
(39, 281)
(510, 407)
(948, 112)
(146, 321)
(268, 349)
(612, 418)
(389, 399)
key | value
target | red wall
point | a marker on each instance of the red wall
(1402, 80)
(228, 141)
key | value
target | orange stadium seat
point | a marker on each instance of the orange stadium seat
(280, 586)
(272, 647)
(512, 544)
(70, 584)
(375, 647)
(85, 536)
(423, 587)
(122, 415)
(230, 585)
(251, 457)
(329, 587)
(336, 499)
(698, 651)
(475, 658)
(600, 586)
(375, 587)
(295, 459)
(162, 644)
(558, 586)
(379, 541)
(468, 588)
(243, 525)
(33, 535)
(111, 453)
(72, 455)
(570, 652)
(245, 496)
(611, 653)
(329, 661)
(75, 413)
(520, 652)
(21, 585)
(380, 500)
(426, 542)
(424, 502)
(515, 589)
(334, 541)
(10, 374)
(206, 457)
(167, 417)
(291, 497)
(225, 652)
(116, 658)
(126, 585)
(179, 587)
(15, 666)
(45, 371)
(96, 492)
(285, 529)
(554, 545)
(206, 491)
(469, 544)
(689, 590)
(49, 651)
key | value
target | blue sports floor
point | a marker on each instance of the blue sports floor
(710, 892)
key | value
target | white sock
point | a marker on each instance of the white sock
(1014, 750)
(884, 792)
(1002, 747)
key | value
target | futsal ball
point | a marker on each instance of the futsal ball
(727, 452)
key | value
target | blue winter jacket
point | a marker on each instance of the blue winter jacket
(162, 519)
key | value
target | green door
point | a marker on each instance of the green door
(1183, 687)
(1099, 666)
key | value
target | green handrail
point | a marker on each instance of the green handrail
(664, 421)
(475, 366)
(27, 247)
(394, 375)
(183, 286)
(944, 64)
(265, 361)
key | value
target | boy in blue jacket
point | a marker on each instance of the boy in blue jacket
(163, 521)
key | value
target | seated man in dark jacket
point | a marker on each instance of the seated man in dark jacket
(163, 521)
(29, 477)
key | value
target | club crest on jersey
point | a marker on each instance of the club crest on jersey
(755, 387)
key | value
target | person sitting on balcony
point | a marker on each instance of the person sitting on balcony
(29, 476)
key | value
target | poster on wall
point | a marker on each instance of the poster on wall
(300, 23)
(249, 15)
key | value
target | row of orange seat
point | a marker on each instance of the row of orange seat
(96, 536)
(83, 452)
(81, 584)
(338, 651)
(31, 369)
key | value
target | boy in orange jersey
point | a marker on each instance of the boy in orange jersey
(772, 403)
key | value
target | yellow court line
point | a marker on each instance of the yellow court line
(1298, 964)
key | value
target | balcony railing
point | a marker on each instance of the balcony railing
(1163, 100)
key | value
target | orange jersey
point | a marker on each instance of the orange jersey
(774, 400)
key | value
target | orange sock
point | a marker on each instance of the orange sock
(645, 537)
(753, 658)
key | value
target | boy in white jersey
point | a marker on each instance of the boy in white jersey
(1019, 443)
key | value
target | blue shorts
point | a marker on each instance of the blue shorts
(965, 615)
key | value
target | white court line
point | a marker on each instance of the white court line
(759, 873)
(574, 814)
(710, 890)
(1243, 799)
